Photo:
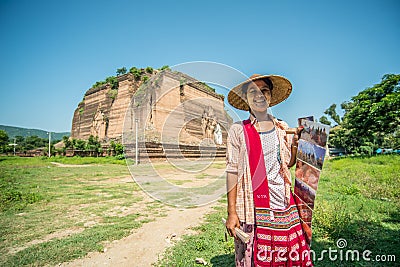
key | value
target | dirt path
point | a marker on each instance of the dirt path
(143, 247)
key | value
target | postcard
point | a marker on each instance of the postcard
(311, 153)
(304, 192)
(315, 133)
(308, 174)
(309, 118)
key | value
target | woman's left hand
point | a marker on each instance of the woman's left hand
(296, 136)
(295, 141)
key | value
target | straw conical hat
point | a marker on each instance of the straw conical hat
(280, 91)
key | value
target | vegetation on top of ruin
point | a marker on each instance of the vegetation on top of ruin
(121, 71)
(165, 67)
(141, 74)
(112, 93)
(111, 80)
(208, 87)
(138, 74)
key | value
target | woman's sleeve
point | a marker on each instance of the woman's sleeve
(287, 141)
(232, 149)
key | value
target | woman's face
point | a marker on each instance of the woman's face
(258, 96)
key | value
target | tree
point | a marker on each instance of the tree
(371, 119)
(73, 143)
(331, 112)
(121, 71)
(374, 114)
(32, 142)
(80, 144)
(118, 148)
(20, 140)
(324, 120)
(4, 140)
(93, 144)
(67, 142)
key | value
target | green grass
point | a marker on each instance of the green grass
(358, 199)
(40, 202)
(44, 161)
(89, 160)
(77, 245)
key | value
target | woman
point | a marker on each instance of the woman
(260, 201)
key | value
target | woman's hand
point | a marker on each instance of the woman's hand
(295, 142)
(296, 136)
(231, 223)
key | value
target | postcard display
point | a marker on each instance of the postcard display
(310, 159)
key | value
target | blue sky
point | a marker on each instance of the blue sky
(53, 51)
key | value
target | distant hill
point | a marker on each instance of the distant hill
(18, 131)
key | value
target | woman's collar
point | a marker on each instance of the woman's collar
(254, 120)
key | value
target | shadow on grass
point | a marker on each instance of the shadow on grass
(226, 260)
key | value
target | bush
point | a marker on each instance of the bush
(120, 156)
(112, 94)
(80, 144)
(121, 71)
(165, 67)
(149, 70)
(137, 73)
(113, 81)
(119, 149)
(16, 199)
(366, 150)
(98, 84)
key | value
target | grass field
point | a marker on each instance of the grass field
(357, 200)
(52, 214)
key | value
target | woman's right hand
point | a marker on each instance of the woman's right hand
(231, 223)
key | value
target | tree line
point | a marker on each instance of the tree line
(92, 146)
(371, 119)
(23, 144)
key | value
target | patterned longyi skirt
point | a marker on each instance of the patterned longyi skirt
(280, 243)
